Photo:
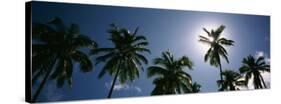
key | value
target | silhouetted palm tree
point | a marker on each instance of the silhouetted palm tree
(196, 87)
(232, 81)
(170, 77)
(54, 49)
(252, 68)
(124, 59)
(216, 47)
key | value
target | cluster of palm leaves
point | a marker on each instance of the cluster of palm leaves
(170, 76)
(125, 59)
(56, 48)
(231, 80)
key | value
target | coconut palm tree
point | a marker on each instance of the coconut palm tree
(55, 48)
(232, 81)
(125, 59)
(195, 87)
(170, 78)
(252, 68)
(216, 50)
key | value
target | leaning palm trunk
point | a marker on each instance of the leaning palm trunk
(262, 81)
(113, 83)
(41, 86)
(220, 67)
(221, 72)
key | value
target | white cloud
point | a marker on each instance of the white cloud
(266, 77)
(259, 54)
(138, 89)
(262, 54)
(119, 87)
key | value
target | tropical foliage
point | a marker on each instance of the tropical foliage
(195, 87)
(55, 48)
(125, 59)
(216, 43)
(252, 68)
(170, 78)
(58, 48)
(232, 81)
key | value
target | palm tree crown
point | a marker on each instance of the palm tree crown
(216, 49)
(170, 77)
(252, 68)
(232, 81)
(56, 46)
(124, 60)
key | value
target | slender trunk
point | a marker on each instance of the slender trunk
(41, 86)
(220, 71)
(35, 77)
(262, 81)
(218, 59)
(113, 83)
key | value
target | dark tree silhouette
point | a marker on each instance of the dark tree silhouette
(216, 47)
(196, 87)
(252, 68)
(232, 81)
(55, 48)
(124, 59)
(170, 77)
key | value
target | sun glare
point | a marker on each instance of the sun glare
(201, 47)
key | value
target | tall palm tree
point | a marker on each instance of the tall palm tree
(55, 48)
(125, 58)
(232, 81)
(196, 87)
(216, 49)
(170, 76)
(252, 68)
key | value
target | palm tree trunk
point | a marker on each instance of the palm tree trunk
(41, 86)
(220, 71)
(263, 81)
(113, 83)
(219, 61)
(35, 77)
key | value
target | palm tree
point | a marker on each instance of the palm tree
(216, 49)
(170, 76)
(252, 68)
(55, 48)
(232, 81)
(124, 60)
(195, 87)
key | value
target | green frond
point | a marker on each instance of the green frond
(209, 34)
(155, 70)
(83, 60)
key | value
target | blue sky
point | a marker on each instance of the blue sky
(177, 31)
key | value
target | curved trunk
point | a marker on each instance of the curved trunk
(113, 83)
(220, 69)
(221, 72)
(219, 61)
(263, 81)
